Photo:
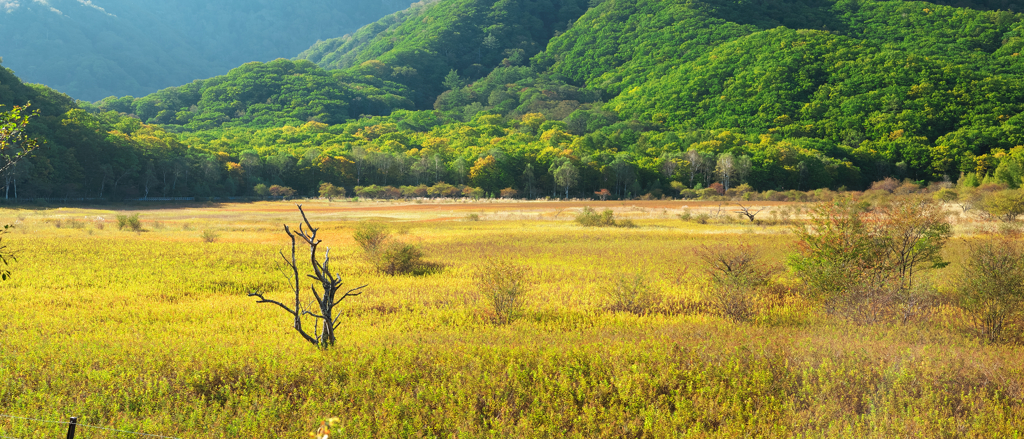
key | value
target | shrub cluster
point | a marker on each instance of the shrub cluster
(632, 293)
(389, 255)
(991, 286)
(741, 281)
(861, 260)
(588, 217)
(439, 190)
(504, 284)
(130, 222)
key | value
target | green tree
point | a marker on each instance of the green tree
(330, 191)
(15, 143)
(452, 81)
(1005, 205)
(861, 263)
(567, 176)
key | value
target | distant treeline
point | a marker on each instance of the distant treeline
(568, 99)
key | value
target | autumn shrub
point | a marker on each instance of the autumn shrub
(632, 293)
(130, 222)
(509, 193)
(210, 236)
(738, 274)
(991, 286)
(588, 217)
(504, 284)
(330, 191)
(281, 191)
(389, 255)
(860, 261)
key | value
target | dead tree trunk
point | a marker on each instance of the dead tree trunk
(324, 320)
(746, 211)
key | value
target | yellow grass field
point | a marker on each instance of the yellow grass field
(152, 332)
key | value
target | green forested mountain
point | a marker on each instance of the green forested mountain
(98, 48)
(633, 96)
(424, 43)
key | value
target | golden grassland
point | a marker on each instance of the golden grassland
(152, 331)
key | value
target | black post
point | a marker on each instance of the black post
(71, 427)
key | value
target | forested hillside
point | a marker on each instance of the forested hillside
(94, 49)
(636, 97)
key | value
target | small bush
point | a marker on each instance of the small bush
(504, 284)
(738, 276)
(371, 236)
(130, 222)
(69, 224)
(509, 193)
(210, 236)
(399, 258)
(588, 217)
(633, 294)
(330, 191)
(473, 217)
(281, 191)
(1004, 205)
(388, 255)
(991, 286)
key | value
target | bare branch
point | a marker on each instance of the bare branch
(325, 302)
(349, 294)
(745, 211)
(265, 300)
(307, 313)
(318, 298)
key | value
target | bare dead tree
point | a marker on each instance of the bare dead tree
(745, 211)
(324, 323)
(718, 213)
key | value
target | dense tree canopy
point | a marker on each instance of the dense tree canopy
(630, 96)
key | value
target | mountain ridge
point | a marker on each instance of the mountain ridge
(634, 96)
(94, 49)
